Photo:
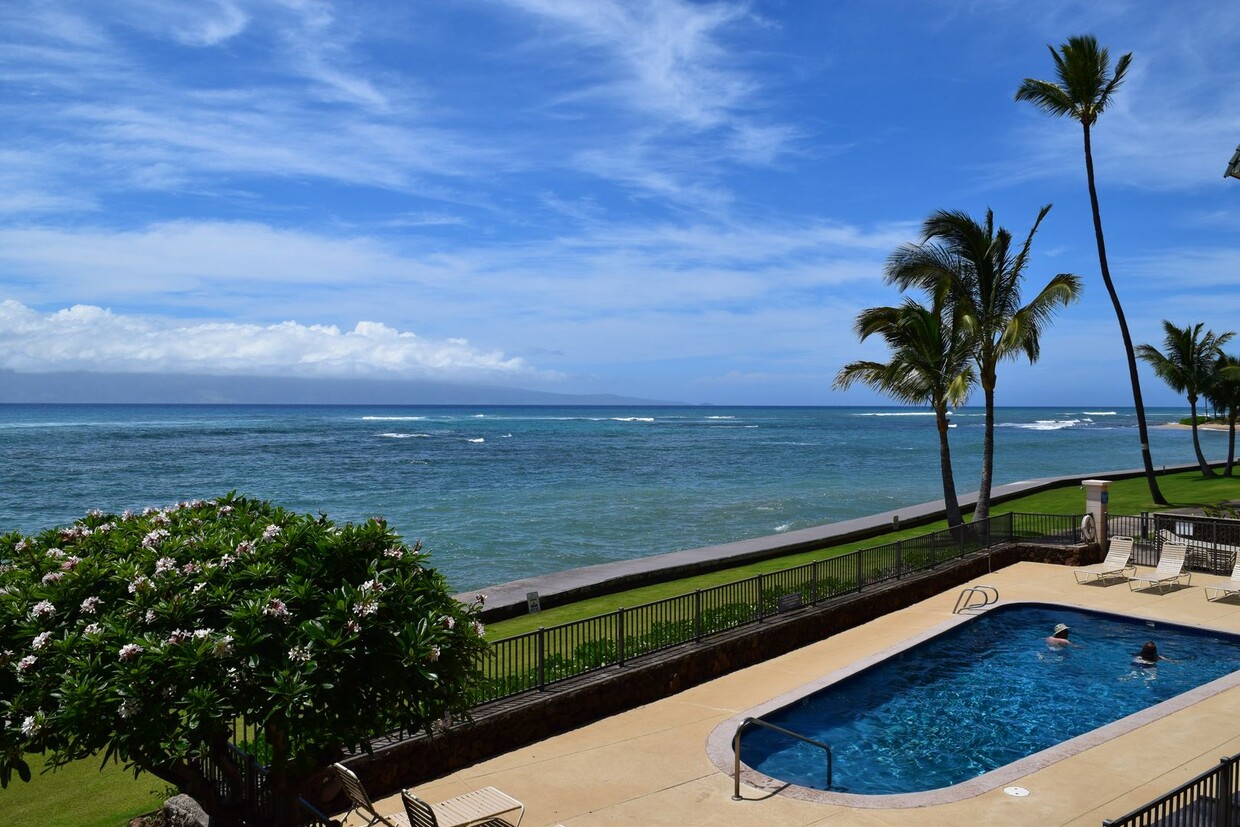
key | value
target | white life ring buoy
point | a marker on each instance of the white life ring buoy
(1089, 529)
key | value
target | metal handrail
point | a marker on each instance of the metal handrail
(962, 602)
(736, 751)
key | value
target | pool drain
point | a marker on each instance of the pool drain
(1016, 792)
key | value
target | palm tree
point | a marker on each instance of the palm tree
(929, 364)
(1187, 366)
(1084, 90)
(972, 269)
(1224, 392)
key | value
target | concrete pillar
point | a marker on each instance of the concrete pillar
(1096, 498)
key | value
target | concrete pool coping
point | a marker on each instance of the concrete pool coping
(649, 765)
(719, 745)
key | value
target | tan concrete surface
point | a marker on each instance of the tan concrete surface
(649, 766)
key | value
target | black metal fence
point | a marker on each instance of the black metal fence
(536, 659)
(1212, 542)
(242, 785)
(1209, 800)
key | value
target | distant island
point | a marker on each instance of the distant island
(185, 389)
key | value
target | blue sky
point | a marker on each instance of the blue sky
(666, 199)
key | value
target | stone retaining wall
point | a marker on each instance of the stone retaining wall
(505, 725)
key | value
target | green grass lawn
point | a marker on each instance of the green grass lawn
(80, 795)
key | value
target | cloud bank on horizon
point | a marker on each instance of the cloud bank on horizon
(656, 198)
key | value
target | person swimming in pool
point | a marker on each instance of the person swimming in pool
(1148, 656)
(1059, 637)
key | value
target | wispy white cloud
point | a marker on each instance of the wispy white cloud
(85, 337)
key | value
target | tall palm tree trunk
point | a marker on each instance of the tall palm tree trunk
(1206, 470)
(950, 501)
(1143, 430)
(982, 511)
(1231, 438)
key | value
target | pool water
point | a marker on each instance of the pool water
(982, 695)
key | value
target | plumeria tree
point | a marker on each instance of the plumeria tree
(148, 637)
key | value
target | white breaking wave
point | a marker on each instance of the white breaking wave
(405, 436)
(1101, 413)
(1043, 424)
(632, 419)
(478, 440)
(909, 413)
(780, 529)
(393, 418)
(721, 417)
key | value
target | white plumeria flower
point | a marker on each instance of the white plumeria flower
(31, 726)
(41, 640)
(130, 651)
(276, 608)
(43, 608)
(271, 532)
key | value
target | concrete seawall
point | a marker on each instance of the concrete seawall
(558, 588)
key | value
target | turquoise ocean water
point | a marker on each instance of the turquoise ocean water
(499, 493)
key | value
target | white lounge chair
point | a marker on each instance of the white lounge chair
(362, 803)
(474, 809)
(1228, 588)
(1169, 571)
(1116, 566)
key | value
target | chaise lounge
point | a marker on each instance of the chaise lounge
(1227, 588)
(1169, 571)
(361, 803)
(480, 808)
(1116, 566)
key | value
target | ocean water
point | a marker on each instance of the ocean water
(499, 493)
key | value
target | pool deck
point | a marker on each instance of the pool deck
(649, 766)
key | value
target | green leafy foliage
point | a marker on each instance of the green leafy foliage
(146, 637)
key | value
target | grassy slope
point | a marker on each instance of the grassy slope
(80, 795)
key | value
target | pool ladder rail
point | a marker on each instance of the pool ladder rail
(736, 751)
(989, 594)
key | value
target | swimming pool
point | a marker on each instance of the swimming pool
(978, 697)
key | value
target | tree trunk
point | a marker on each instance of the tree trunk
(950, 500)
(982, 511)
(1206, 470)
(1231, 438)
(1146, 459)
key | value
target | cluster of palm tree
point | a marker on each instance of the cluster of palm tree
(1193, 363)
(974, 318)
(971, 275)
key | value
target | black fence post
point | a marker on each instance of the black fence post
(697, 615)
(813, 593)
(620, 635)
(539, 654)
(857, 554)
(761, 607)
(899, 559)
